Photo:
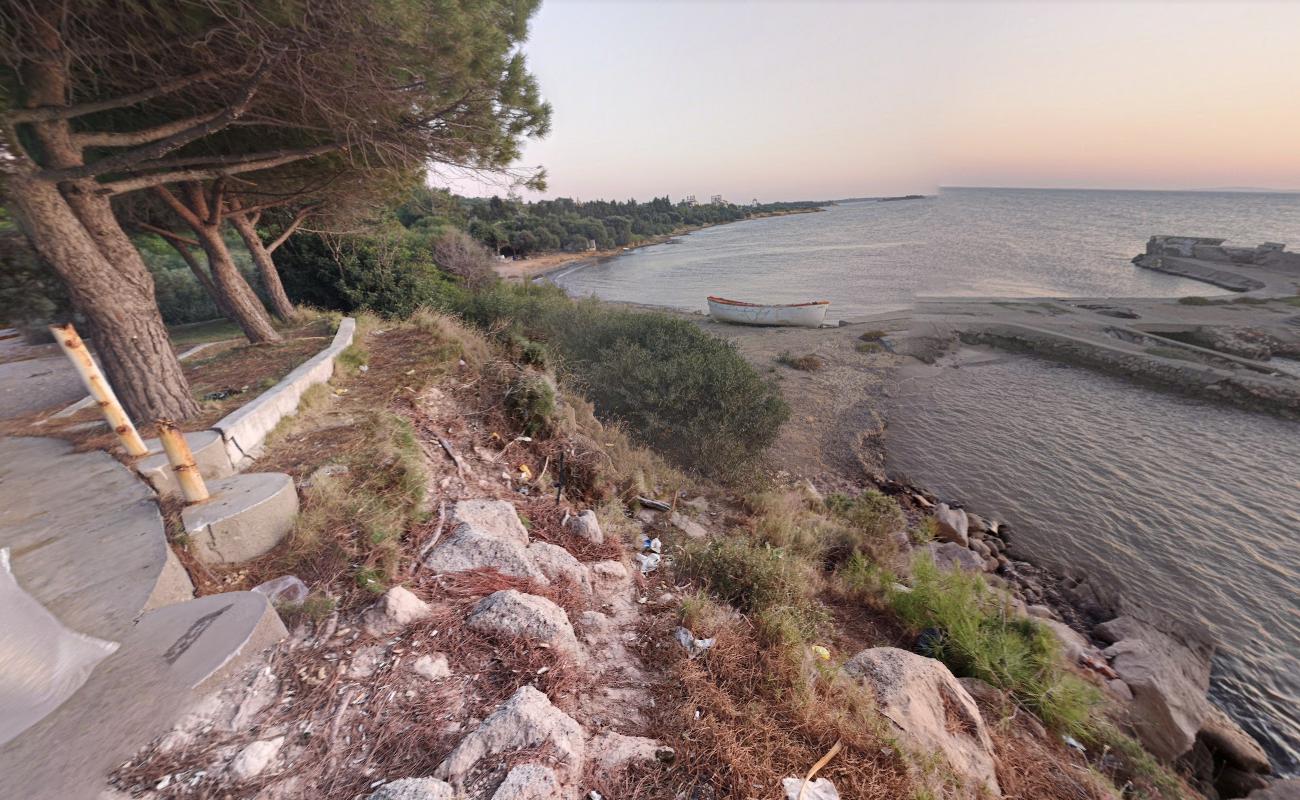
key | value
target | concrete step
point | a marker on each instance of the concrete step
(167, 662)
(85, 536)
(209, 455)
(246, 517)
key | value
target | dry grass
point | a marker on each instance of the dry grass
(754, 710)
(804, 363)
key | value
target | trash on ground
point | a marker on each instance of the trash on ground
(821, 652)
(799, 789)
(284, 589)
(649, 562)
(693, 646)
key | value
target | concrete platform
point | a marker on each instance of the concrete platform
(167, 661)
(209, 454)
(86, 537)
(246, 517)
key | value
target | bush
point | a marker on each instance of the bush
(983, 639)
(869, 347)
(461, 255)
(685, 393)
(749, 577)
(804, 363)
(1195, 300)
(531, 400)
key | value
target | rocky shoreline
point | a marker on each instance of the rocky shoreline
(1155, 668)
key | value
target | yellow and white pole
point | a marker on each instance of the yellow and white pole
(182, 461)
(98, 386)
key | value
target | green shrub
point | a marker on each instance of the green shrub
(1196, 300)
(685, 393)
(750, 577)
(804, 363)
(981, 638)
(873, 335)
(531, 400)
(872, 513)
(869, 347)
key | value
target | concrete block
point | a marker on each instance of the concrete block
(245, 429)
(209, 454)
(246, 517)
(86, 537)
(169, 660)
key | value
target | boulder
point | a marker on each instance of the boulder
(953, 526)
(1229, 742)
(1073, 643)
(1169, 678)
(609, 577)
(394, 611)
(952, 556)
(612, 751)
(688, 526)
(586, 526)
(530, 782)
(557, 564)
(255, 758)
(525, 721)
(413, 789)
(513, 613)
(471, 547)
(495, 516)
(976, 524)
(931, 710)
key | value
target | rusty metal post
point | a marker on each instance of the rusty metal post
(98, 386)
(182, 461)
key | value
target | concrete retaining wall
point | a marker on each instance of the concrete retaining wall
(244, 430)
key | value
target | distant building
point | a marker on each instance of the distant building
(717, 200)
(690, 200)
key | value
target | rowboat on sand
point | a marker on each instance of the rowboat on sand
(803, 315)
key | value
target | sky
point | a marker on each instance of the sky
(823, 100)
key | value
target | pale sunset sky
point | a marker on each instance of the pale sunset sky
(822, 100)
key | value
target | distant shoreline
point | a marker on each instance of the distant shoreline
(551, 263)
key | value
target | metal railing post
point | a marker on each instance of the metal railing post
(98, 386)
(182, 461)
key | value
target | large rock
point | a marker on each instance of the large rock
(530, 782)
(952, 556)
(473, 546)
(1169, 678)
(688, 526)
(611, 751)
(586, 526)
(398, 608)
(526, 721)
(495, 516)
(931, 709)
(414, 789)
(513, 613)
(255, 758)
(1229, 742)
(557, 564)
(953, 526)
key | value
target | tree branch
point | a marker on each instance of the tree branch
(180, 208)
(157, 149)
(144, 136)
(50, 113)
(159, 178)
(293, 226)
(170, 236)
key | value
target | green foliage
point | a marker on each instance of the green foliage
(873, 335)
(388, 272)
(869, 347)
(685, 393)
(750, 577)
(982, 638)
(515, 228)
(531, 400)
(31, 295)
(805, 363)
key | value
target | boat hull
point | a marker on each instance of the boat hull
(803, 315)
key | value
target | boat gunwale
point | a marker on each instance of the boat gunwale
(725, 301)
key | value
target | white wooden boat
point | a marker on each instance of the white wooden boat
(803, 315)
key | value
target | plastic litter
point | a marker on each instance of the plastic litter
(649, 562)
(693, 646)
(284, 589)
(820, 789)
(653, 545)
(1074, 743)
(821, 652)
(526, 472)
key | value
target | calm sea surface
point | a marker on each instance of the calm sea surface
(1192, 507)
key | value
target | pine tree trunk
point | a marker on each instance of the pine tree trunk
(130, 341)
(240, 299)
(202, 276)
(75, 231)
(280, 303)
